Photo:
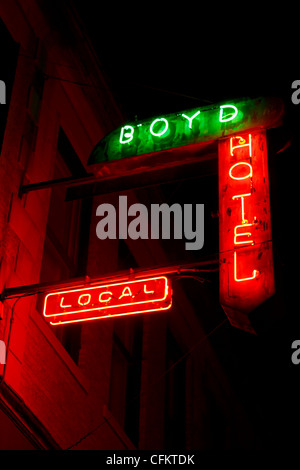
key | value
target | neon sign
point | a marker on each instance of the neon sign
(186, 128)
(109, 300)
(245, 237)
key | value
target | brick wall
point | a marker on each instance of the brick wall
(67, 399)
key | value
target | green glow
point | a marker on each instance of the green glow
(186, 128)
(158, 134)
(128, 135)
(191, 118)
(231, 115)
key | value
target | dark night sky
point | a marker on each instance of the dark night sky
(161, 60)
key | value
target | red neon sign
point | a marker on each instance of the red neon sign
(109, 300)
(246, 258)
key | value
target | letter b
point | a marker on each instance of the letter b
(126, 134)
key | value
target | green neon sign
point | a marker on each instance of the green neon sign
(185, 128)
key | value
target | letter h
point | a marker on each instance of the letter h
(241, 142)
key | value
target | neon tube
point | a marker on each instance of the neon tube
(255, 273)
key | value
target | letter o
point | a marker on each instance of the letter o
(158, 134)
(240, 177)
(84, 295)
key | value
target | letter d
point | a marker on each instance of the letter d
(230, 115)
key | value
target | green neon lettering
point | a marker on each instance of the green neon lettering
(230, 115)
(126, 135)
(190, 119)
(163, 131)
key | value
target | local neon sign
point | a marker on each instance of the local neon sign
(186, 128)
(245, 236)
(109, 300)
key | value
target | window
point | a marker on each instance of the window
(66, 241)
(9, 56)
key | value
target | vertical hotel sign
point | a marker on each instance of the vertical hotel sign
(245, 237)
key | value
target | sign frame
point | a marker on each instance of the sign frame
(65, 313)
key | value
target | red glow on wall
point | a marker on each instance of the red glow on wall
(103, 301)
(245, 236)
